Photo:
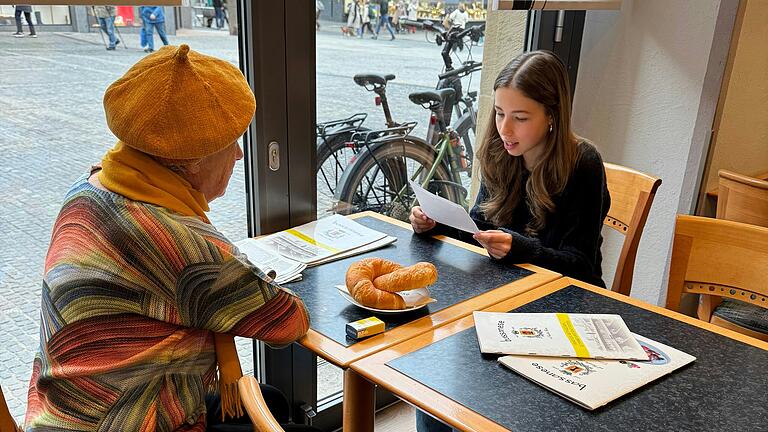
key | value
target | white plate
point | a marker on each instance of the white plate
(421, 292)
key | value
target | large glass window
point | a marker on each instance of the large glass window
(375, 128)
(53, 129)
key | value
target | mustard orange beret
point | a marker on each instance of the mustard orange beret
(179, 104)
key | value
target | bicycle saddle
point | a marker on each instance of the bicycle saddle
(431, 98)
(365, 80)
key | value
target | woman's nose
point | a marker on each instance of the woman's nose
(239, 152)
(505, 128)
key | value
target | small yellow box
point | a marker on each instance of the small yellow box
(365, 327)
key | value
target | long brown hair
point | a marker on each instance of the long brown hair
(540, 76)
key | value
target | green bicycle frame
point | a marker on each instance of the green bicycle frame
(444, 148)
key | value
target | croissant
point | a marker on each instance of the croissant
(374, 281)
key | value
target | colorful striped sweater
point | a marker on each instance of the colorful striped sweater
(132, 294)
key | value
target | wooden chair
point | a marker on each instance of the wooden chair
(250, 394)
(717, 258)
(632, 194)
(742, 198)
(254, 404)
(7, 423)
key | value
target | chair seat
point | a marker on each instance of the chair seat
(743, 314)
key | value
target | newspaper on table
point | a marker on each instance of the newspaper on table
(286, 270)
(557, 334)
(324, 240)
(593, 383)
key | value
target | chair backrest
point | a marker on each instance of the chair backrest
(632, 194)
(718, 258)
(742, 198)
(250, 394)
(7, 423)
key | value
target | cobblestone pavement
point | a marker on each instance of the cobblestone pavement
(53, 129)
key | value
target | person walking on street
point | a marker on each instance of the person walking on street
(354, 18)
(384, 19)
(458, 18)
(106, 17)
(143, 37)
(27, 11)
(154, 18)
(218, 10)
(369, 15)
(319, 8)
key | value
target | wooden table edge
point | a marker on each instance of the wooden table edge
(342, 356)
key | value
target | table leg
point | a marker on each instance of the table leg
(359, 403)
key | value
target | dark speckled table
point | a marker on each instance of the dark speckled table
(444, 373)
(467, 281)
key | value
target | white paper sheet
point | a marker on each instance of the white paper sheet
(444, 211)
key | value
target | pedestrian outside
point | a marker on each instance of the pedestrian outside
(218, 11)
(369, 16)
(458, 18)
(154, 18)
(27, 11)
(384, 19)
(106, 17)
(354, 19)
(319, 8)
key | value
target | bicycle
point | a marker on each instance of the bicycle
(339, 147)
(344, 149)
(431, 31)
(378, 178)
(332, 156)
(464, 107)
(462, 104)
(334, 138)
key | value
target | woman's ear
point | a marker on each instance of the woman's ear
(193, 168)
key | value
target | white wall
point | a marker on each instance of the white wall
(644, 95)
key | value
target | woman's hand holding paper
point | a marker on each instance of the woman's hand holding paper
(497, 243)
(420, 221)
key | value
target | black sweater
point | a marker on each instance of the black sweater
(570, 241)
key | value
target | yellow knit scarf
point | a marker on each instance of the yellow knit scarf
(138, 177)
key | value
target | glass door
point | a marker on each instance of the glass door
(336, 80)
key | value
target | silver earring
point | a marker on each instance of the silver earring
(550, 128)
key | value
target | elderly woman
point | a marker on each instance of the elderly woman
(141, 294)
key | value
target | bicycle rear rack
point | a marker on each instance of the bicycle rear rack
(354, 121)
(363, 139)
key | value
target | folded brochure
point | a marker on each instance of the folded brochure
(557, 334)
(593, 383)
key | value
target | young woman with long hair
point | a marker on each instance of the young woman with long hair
(543, 195)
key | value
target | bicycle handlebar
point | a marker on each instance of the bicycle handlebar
(452, 38)
(474, 33)
(466, 69)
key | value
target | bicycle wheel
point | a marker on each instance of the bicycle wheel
(378, 179)
(333, 156)
(429, 35)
